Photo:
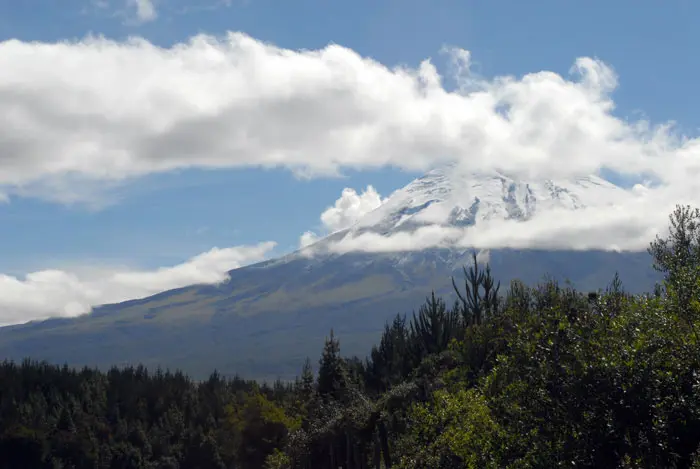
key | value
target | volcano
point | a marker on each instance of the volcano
(268, 317)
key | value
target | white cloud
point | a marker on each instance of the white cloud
(144, 10)
(132, 12)
(580, 214)
(55, 293)
(626, 226)
(307, 239)
(99, 112)
(105, 110)
(348, 208)
(587, 214)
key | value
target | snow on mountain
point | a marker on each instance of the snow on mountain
(450, 197)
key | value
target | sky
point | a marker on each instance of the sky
(152, 144)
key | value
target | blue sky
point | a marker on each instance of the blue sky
(162, 218)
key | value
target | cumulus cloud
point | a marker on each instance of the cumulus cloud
(60, 293)
(105, 112)
(307, 239)
(347, 210)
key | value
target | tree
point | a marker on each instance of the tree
(680, 250)
(307, 386)
(389, 362)
(259, 427)
(332, 376)
(433, 327)
(202, 453)
(678, 257)
(475, 304)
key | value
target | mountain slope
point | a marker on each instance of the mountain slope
(268, 317)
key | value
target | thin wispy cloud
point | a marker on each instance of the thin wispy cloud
(203, 6)
(139, 12)
(144, 11)
(131, 12)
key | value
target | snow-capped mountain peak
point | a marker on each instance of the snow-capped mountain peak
(451, 197)
(448, 196)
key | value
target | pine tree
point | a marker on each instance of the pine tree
(332, 379)
(306, 384)
(475, 305)
(389, 362)
(433, 327)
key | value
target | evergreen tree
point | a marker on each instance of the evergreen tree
(390, 362)
(475, 304)
(332, 375)
(433, 327)
(307, 383)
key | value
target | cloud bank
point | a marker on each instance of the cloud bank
(615, 228)
(98, 112)
(59, 293)
(110, 111)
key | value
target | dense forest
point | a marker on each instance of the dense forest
(517, 377)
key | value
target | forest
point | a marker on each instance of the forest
(510, 376)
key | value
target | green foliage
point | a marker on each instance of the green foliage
(678, 257)
(332, 372)
(452, 430)
(257, 427)
(130, 418)
(433, 327)
(277, 460)
(480, 296)
(391, 361)
(541, 377)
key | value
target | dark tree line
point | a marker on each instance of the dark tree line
(532, 377)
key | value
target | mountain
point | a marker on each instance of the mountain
(458, 199)
(268, 317)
